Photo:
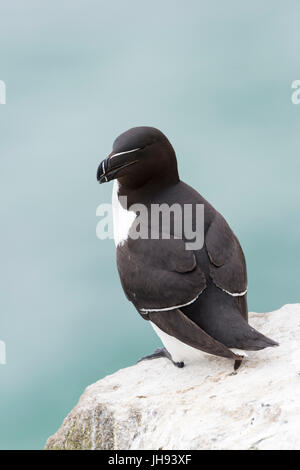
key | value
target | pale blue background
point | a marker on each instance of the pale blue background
(214, 76)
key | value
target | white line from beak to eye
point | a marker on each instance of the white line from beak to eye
(122, 153)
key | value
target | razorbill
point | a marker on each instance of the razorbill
(196, 300)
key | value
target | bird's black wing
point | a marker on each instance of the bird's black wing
(159, 274)
(175, 323)
(227, 261)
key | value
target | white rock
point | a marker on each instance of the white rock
(154, 405)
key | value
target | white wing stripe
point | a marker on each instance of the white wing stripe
(238, 294)
(167, 308)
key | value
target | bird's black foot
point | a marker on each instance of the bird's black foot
(162, 352)
(237, 364)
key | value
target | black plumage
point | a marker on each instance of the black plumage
(198, 297)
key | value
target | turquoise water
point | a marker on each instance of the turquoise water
(216, 78)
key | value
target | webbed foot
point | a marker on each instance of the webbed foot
(162, 352)
(237, 364)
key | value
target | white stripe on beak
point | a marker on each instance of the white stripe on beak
(103, 169)
(123, 153)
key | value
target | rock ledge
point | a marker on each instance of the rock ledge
(154, 405)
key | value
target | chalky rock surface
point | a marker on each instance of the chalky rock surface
(154, 405)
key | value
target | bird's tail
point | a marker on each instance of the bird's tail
(250, 339)
(241, 335)
(228, 326)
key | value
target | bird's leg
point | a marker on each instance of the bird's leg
(237, 364)
(162, 352)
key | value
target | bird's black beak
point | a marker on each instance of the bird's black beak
(112, 166)
(102, 172)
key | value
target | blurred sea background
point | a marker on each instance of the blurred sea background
(216, 78)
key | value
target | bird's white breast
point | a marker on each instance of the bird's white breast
(182, 352)
(179, 351)
(122, 218)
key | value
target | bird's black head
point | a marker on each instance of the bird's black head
(139, 155)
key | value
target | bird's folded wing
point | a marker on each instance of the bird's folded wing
(176, 324)
(159, 274)
(227, 261)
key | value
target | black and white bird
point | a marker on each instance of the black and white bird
(196, 300)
